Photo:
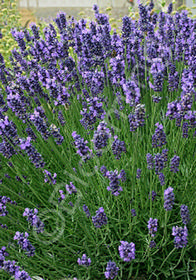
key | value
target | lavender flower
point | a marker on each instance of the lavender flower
(159, 138)
(150, 161)
(170, 8)
(33, 155)
(174, 164)
(161, 179)
(122, 175)
(138, 175)
(24, 243)
(156, 99)
(152, 244)
(84, 261)
(114, 182)
(127, 251)
(80, 144)
(184, 212)
(101, 136)
(71, 188)
(118, 147)
(168, 199)
(111, 270)
(62, 197)
(180, 236)
(86, 210)
(103, 170)
(185, 128)
(34, 219)
(152, 226)
(100, 219)
(159, 163)
(152, 195)
(49, 178)
(133, 212)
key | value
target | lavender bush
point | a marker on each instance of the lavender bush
(97, 149)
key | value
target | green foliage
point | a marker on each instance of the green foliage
(9, 17)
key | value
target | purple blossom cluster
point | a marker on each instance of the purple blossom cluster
(152, 226)
(80, 144)
(86, 210)
(49, 178)
(137, 118)
(100, 138)
(118, 147)
(3, 201)
(32, 217)
(180, 236)
(34, 156)
(84, 261)
(114, 187)
(11, 267)
(111, 270)
(92, 111)
(174, 164)
(145, 56)
(159, 138)
(168, 199)
(24, 243)
(127, 251)
(71, 188)
(184, 212)
(100, 218)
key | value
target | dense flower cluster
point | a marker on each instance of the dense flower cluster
(174, 164)
(100, 218)
(159, 138)
(152, 226)
(114, 187)
(101, 136)
(49, 178)
(34, 219)
(86, 68)
(24, 243)
(168, 198)
(3, 201)
(80, 144)
(118, 147)
(84, 261)
(180, 236)
(71, 188)
(111, 270)
(11, 267)
(127, 251)
(184, 212)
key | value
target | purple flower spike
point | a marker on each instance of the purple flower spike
(174, 164)
(152, 226)
(180, 235)
(34, 219)
(152, 195)
(71, 188)
(111, 270)
(100, 218)
(159, 138)
(84, 261)
(127, 251)
(24, 243)
(168, 199)
(184, 212)
(114, 182)
(86, 210)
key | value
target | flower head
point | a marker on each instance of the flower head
(127, 251)
(111, 270)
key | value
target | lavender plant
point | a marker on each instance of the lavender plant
(81, 158)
